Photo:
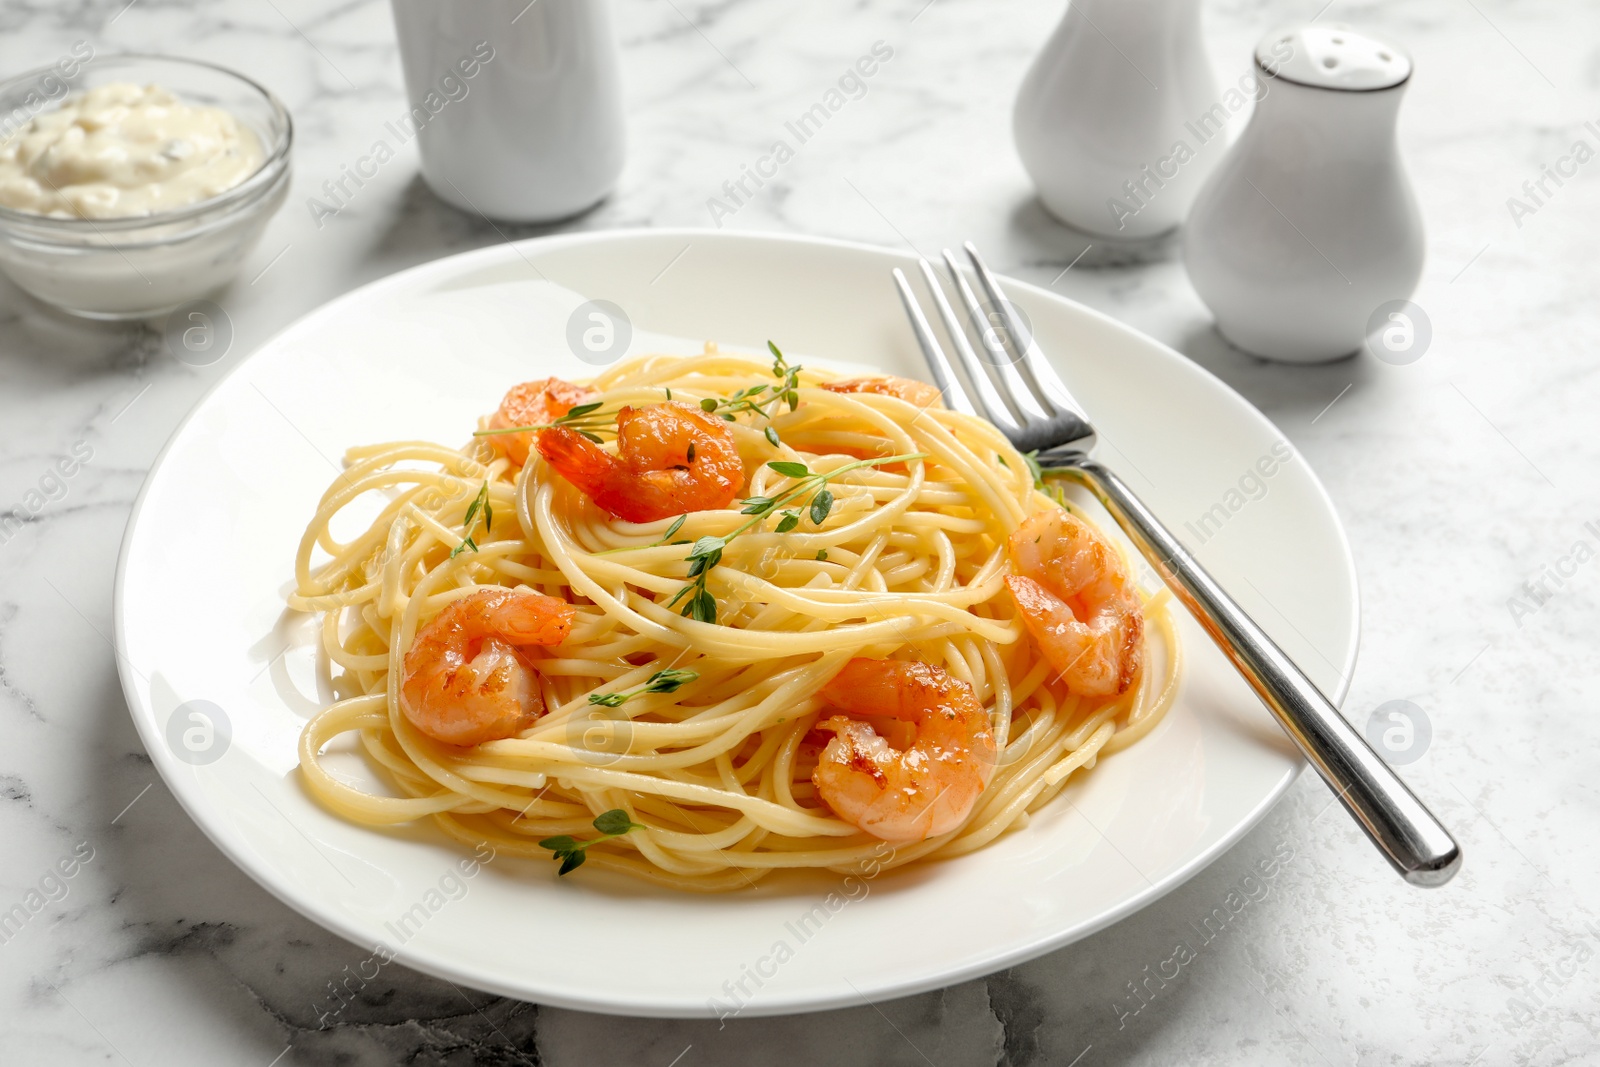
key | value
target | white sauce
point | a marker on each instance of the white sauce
(121, 150)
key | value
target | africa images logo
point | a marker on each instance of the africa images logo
(199, 732)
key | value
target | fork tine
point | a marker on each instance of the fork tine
(944, 374)
(993, 404)
(1012, 385)
(1046, 383)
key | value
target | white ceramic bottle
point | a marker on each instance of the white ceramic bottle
(534, 133)
(1310, 224)
(1120, 119)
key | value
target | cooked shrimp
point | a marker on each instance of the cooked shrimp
(671, 458)
(1078, 601)
(466, 679)
(910, 390)
(928, 788)
(534, 404)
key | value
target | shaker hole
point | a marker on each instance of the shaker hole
(1330, 62)
(1385, 56)
(1338, 40)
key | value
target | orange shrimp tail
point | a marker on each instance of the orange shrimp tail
(533, 404)
(1038, 606)
(577, 459)
(1033, 601)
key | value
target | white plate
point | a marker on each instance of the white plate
(208, 557)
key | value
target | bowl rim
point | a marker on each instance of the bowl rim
(263, 178)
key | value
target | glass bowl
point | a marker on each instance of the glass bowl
(144, 265)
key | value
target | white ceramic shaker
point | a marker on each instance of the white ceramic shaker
(1120, 119)
(1310, 223)
(535, 133)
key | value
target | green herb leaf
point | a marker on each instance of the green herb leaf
(822, 555)
(821, 504)
(762, 399)
(677, 524)
(707, 547)
(669, 680)
(572, 853)
(1033, 465)
(790, 469)
(591, 436)
(581, 418)
(615, 822)
(479, 503)
(705, 607)
(578, 411)
(706, 553)
(772, 437)
(664, 681)
(691, 452)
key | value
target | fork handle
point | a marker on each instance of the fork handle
(1402, 827)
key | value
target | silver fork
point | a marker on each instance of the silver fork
(1027, 400)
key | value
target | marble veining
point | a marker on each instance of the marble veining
(1465, 479)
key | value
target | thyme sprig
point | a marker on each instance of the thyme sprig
(677, 524)
(584, 418)
(1051, 489)
(667, 681)
(587, 418)
(1037, 471)
(572, 852)
(761, 400)
(818, 503)
(480, 503)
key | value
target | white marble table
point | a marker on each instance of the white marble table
(1461, 477)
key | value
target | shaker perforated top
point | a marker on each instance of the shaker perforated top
(1330, 57)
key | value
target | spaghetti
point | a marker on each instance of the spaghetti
(714, 767)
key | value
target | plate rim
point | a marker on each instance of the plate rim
(143, 714)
